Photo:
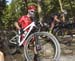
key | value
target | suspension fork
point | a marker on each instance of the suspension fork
(36, 50)
(35, 43)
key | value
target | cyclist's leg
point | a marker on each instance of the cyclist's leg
(52, 26)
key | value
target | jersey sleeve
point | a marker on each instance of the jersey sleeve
(21, 19)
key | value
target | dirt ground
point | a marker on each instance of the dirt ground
(67, 54)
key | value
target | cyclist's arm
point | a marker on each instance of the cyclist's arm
(56, 19)
(17, 25)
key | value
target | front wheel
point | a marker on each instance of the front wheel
(49, 47)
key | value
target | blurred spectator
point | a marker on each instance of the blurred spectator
(1, 56)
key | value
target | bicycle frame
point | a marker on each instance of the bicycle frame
(30, 27)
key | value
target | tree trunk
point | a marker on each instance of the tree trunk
(71, 7)
(60, 3)
(40, 11)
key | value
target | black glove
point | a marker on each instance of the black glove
(21, 31)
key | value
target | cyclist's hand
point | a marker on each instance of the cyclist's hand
(21, 31)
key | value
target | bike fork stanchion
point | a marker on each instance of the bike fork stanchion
(36, 48)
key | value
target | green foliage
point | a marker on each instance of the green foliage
(12, 13)
(18, 8)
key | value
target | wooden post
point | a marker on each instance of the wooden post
(61, 8)
(71, 7)
(39, 10)
(60, 3)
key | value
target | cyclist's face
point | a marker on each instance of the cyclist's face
(31, 13)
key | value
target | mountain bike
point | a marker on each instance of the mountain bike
(63, 30)
(38, 45)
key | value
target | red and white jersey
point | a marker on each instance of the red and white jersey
(24, 21)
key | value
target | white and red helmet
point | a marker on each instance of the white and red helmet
(32, 7)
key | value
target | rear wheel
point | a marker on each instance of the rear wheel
(11, 47)
(48, 44)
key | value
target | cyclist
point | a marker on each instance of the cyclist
(25, 20)
(54, 17)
